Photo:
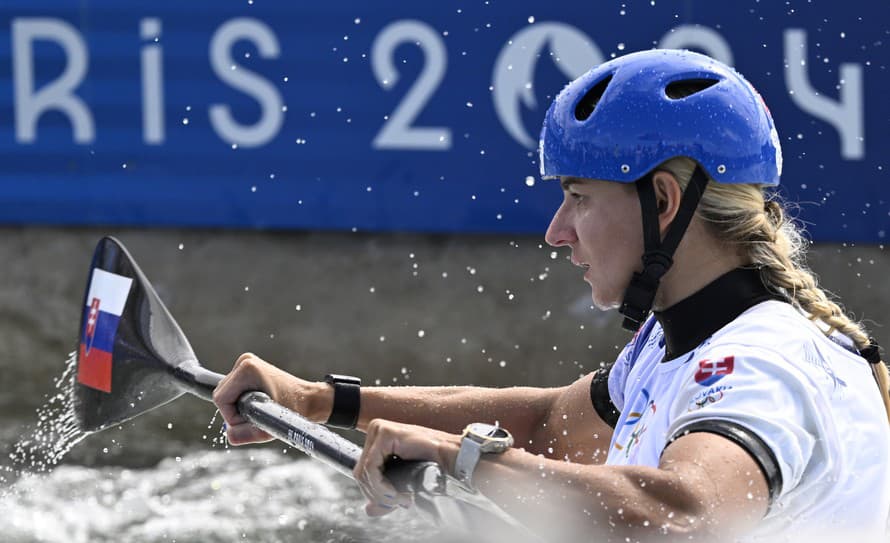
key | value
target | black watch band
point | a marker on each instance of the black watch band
(347, 400)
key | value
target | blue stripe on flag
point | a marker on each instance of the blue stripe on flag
(106, 329)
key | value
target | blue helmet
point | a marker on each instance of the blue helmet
(625, 117)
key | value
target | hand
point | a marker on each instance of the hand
(253, 373)
(386, 439)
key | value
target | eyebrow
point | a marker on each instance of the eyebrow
(567, 182)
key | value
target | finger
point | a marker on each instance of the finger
(368, 472)
(245, 376)
(227, 409)
(241, 434)
(242, 358)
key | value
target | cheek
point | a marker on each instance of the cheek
(618, 253)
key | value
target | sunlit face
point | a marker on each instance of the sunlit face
(600, 221)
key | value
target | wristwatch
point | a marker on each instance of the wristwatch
(479, 438)
(347, 400)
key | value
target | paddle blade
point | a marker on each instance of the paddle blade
(128, 346)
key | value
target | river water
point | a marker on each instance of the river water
(161, 483)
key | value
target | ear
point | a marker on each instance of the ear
(667, 198)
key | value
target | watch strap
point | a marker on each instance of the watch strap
(467, 458)
(347, 400)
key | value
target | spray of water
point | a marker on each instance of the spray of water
(55, 433)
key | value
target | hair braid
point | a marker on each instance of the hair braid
(782, 267)
(740, 215)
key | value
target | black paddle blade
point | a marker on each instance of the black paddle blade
(129, 344)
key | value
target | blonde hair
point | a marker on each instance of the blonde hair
(742, 215)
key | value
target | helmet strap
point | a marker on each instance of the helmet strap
(658, 254)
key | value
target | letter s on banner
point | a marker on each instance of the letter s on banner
(265, 93)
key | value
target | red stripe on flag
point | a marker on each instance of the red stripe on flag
(94, 369)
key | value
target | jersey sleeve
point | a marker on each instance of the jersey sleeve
(755, 399)
(618, 377)
(626, 360)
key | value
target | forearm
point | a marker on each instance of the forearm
(522, 410)
(565, 501)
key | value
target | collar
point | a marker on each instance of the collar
(694, 319)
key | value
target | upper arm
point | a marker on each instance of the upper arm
(723, 484)
(572, 429)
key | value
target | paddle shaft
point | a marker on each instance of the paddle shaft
(313, 439)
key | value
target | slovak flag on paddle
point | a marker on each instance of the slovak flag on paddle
(105, 303)
(711, 371)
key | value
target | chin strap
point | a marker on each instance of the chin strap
(658, 255)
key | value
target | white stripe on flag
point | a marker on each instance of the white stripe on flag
(111, 289)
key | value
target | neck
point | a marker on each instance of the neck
(692, 320)
(698, 261)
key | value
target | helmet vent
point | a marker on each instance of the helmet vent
(688, 87)
(588, 102)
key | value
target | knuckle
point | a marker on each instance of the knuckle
(376, 426)
(244, 356)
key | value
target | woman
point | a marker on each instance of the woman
(744, 405)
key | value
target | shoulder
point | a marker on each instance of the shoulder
(777, 330)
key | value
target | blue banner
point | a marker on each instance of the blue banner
(396, 116)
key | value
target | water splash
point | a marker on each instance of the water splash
(255, 495)
(56, 431)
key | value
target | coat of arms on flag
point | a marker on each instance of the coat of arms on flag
(105, 301)
(711, 371)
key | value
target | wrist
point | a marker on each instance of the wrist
(347, 400)
(322, 402)
(448, 451)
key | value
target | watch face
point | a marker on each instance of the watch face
(493, 438)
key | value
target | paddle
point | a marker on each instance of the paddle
(133, 357)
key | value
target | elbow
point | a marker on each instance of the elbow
(673, 511)
(639, 524)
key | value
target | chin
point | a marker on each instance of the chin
(604, 303)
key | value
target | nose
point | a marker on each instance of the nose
(560, 232)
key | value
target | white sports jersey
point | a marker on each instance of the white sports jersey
(772, 372)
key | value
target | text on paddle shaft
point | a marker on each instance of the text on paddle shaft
(300, 441)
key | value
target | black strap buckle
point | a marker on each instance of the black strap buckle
(638, 300)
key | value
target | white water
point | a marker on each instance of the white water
(205, 496)
(213, 496)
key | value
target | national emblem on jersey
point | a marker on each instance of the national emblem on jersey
(639, 419)
(711, 371)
